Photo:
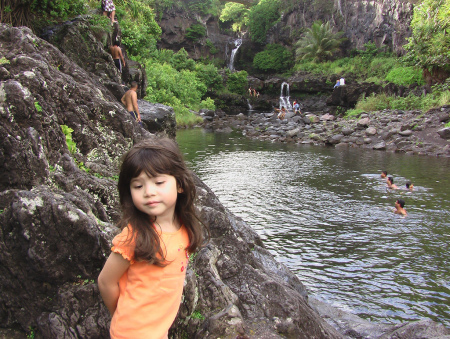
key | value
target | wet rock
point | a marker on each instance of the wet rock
(371, 131)
(292, 132)
(335, 139)
(347, 130)
(380, 146)
(158, 118)
(444, 133)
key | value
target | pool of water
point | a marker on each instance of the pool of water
(326, 214)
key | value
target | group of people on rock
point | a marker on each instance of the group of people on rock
(399, 203)
(253, 92)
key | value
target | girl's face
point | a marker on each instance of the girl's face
(155, 196)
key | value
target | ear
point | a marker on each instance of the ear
(180, 190)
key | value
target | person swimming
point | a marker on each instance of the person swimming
(390, 184)
(399, 207)
(409, 186)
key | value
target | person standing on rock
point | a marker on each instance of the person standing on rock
(142, 281)
(129, 100)
(109, 10)
(117, 55)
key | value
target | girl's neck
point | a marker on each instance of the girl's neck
(168, 225)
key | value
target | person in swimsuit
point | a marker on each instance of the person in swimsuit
(117, 55)
(129, 100)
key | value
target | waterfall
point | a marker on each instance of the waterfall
(284, 100)
(237, 43)
(250, 107)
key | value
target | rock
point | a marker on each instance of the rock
(364, 122)
(347, 130)
(444, 133)
(292, 132)
(380, 146)
(158, 118)
(371, 131)
(314, 119)
(367, 140)
(444, 117)
(405, 133)
(335, 139)
(327, 117)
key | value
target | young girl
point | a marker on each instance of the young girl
(142, 280)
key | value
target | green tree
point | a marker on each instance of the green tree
(319, 43)
(274, 58)
(429, 45)
(235, 13)
(262, 17)
(237, 82)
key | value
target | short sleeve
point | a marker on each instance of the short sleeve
(124, 245)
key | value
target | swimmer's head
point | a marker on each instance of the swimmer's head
(400, 202)
(391, 180)
(409, 185)
(384, 174)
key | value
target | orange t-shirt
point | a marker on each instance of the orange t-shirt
(149, 296)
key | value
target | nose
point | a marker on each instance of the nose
(149, 189)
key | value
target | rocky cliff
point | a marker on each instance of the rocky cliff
(384, 22)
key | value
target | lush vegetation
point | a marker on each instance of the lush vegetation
(274, 58)
(236, 14)
(439, 97)
(429, 45)
(261, 17)
(319, 43)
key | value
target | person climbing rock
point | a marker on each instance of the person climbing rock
(109, 10)
(117, 55)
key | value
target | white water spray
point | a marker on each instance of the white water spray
(237, 43)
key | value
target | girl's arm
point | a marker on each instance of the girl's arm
(108, 280)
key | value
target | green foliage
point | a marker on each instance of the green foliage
(100, 23)
(204, 6)
(197, 315)
(57, 10)
(429, 45)
(212, 49)
(140, 31)
(261, 17)
(274, 58)
(319, 43)
(237, 82)
(208, 103)
(447, 125)
(37, 106)
(4, 61)
(405, 76)
(71, 145)
(377, 102)
(210, 76)
(235, 13)
(195, 32)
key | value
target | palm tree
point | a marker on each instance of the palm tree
(319, 42)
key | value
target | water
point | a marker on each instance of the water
(237, 43)
(285, 99)
(325, 214)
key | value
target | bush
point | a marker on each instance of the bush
(237, 82)
(405, 76)
(195, 32)
(274, 58)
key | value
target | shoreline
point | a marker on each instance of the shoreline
(410, 132)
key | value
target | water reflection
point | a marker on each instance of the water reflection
(326, 214)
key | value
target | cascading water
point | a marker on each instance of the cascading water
(284, 100)
(236, 43)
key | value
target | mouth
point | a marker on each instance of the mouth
(152, 203)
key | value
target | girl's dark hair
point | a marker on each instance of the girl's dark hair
(391, 180)
(157, 156)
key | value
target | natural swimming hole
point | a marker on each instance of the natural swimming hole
(326, 214)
